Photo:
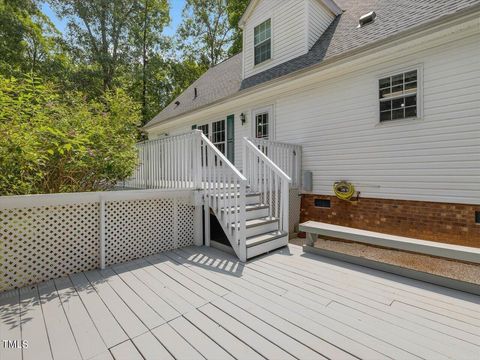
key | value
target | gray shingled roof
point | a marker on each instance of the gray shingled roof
(217, 83)
(343, 36)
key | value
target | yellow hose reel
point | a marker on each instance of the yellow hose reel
(344, 190)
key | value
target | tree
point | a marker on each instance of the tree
(99, 28)
(205, 34)
(29, 42)
(147, 42)
(235, 10)
(52, 141)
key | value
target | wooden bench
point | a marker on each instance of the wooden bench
(457, 252)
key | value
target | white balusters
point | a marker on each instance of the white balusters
(168, 163)
(287, 157)
(265, 177)
(225, 190)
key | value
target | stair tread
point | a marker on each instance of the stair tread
(265, 237)
(258, 221)
(247, 194)
(248, 207)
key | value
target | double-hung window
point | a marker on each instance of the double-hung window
(398, 96)
(261, 125)
(263, 41)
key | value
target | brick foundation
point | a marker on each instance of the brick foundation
(442, 222)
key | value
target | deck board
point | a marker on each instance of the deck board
(126, 351)
(106, 324)
(10, 323)
(150, 348)
(130, 323)
(60, 334)
(377, 310)
(175, 344)
(33, 327)
(197, 302)
(88, 338)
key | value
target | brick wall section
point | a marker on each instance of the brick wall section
(442, 222)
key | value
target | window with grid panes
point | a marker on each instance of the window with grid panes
(261, 125)
(262, 42)
(398, 96)
(218, 135)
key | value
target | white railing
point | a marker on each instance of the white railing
(224, 189)
(266, 178)
(166, 163)
(287, 157)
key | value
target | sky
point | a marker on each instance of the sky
(176, 7)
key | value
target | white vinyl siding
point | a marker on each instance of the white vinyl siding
(287, 28)
(436, 158)
(319, 19)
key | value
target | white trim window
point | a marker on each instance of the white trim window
(398, 96)
(262, 120)
(262, 41)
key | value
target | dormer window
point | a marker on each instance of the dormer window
(262, 42)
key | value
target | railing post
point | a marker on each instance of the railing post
(244, 157)
(286, 206)
(206, 209)
(102, 233)
(299, 167)
(242, 234)
(197, 220)
(197, 159)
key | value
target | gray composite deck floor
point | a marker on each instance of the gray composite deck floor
(196, 303)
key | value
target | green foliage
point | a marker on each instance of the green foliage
(235, 10)
(51, 143)
(66, 121)
(29, 42)
(205, 35)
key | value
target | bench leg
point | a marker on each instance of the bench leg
(310, 239)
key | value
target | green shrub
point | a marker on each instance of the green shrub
(52, 142)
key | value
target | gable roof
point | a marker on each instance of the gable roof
(343, 34)
(330, 4)
(341, 38)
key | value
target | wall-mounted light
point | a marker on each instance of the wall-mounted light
(242, 118)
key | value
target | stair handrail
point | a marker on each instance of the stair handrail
(219, 178)
(269, 180)
(286, 156)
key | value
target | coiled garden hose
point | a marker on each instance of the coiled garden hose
(344, 190)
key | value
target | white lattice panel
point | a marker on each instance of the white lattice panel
(186, 225)
(45, 242)
(136, 229)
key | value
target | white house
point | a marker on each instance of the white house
(383, 94)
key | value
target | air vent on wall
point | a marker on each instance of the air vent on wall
(366, 19)
(323, 203)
